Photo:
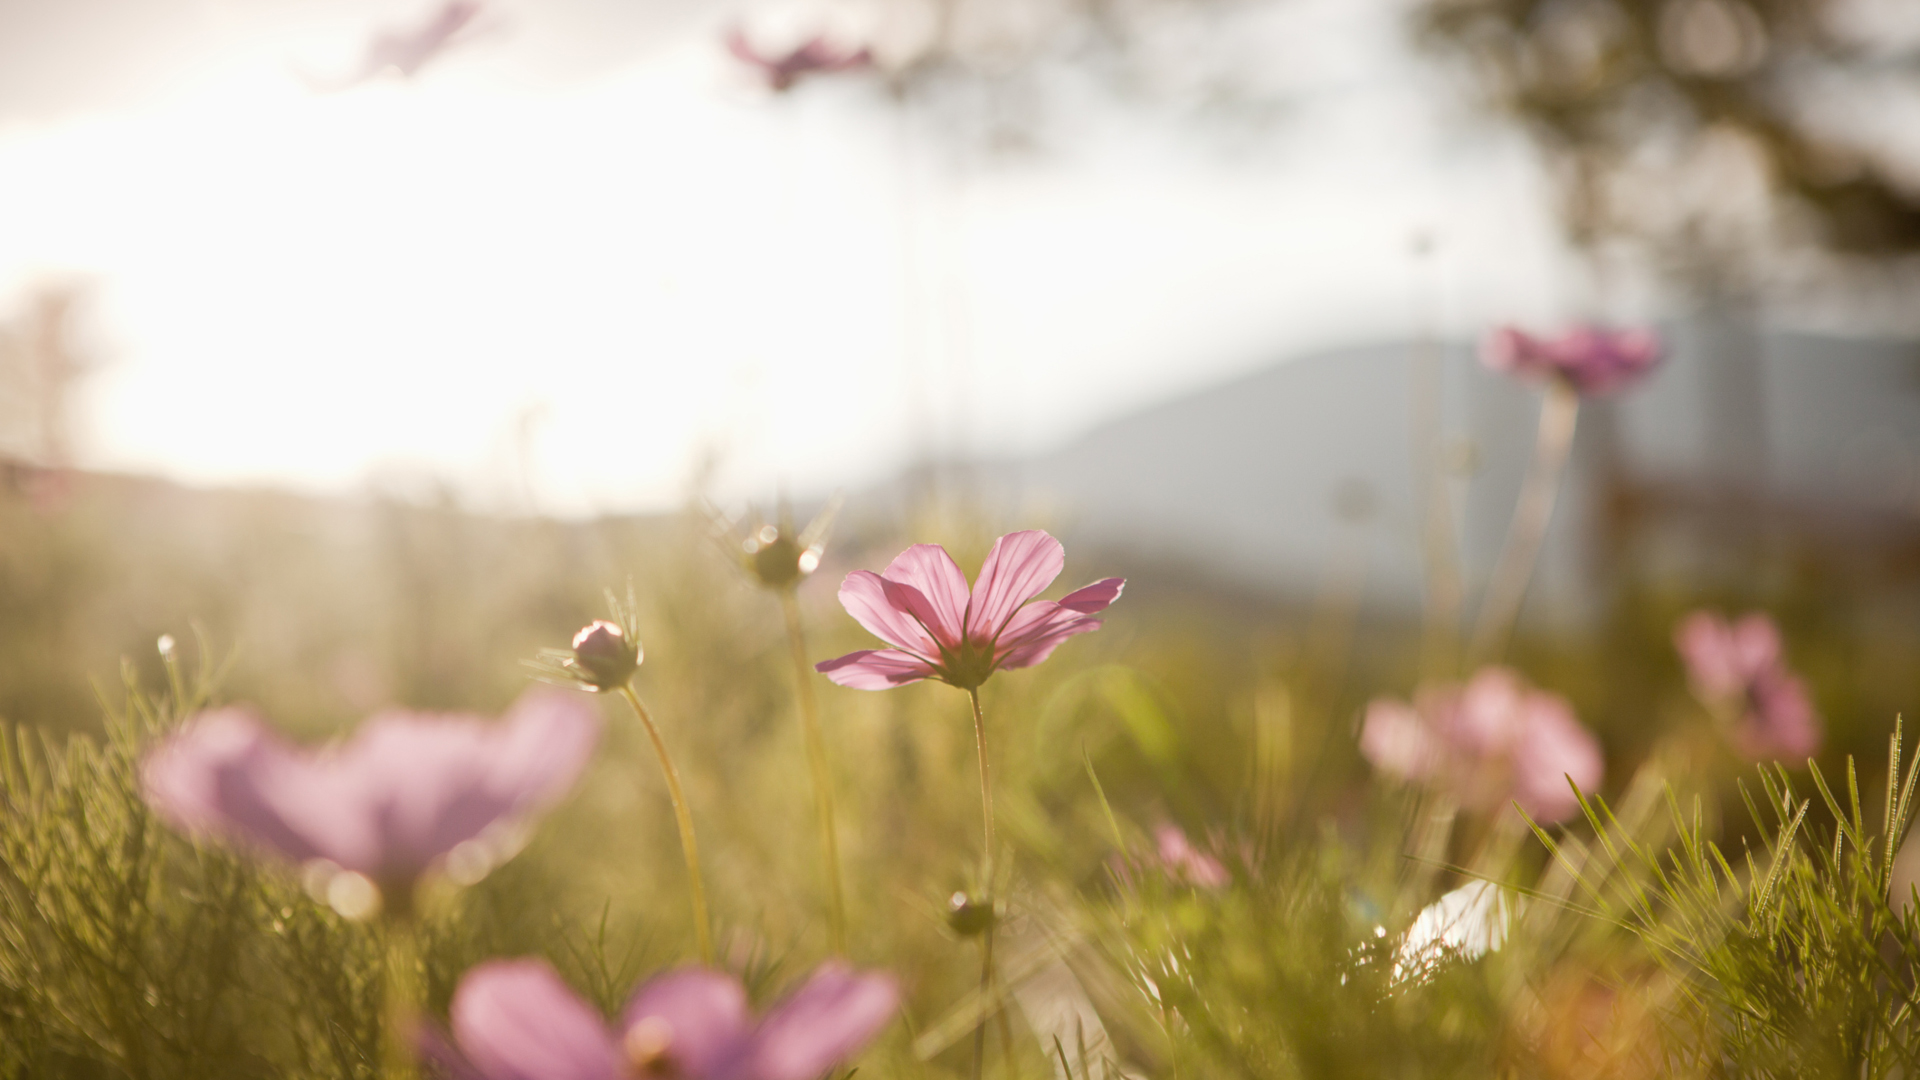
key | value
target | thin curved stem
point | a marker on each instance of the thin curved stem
(696, 885)
(1559, 412)
(822, 774)
(986, 992)
(986, 781)
(403, 997)
(986, 940)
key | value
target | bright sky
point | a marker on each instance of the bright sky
(583, 285)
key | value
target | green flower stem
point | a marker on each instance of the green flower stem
(822, 775)
(696, 885)
(401, 1004)
(986, 781)
(986, 992)
(1508, 587)
(986, 938)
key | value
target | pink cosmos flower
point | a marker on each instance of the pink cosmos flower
(1185, 863)
(515, 1020)
(1592, 359)
(1739, 670)
(1487, 743)
(392, 802)
(813, 57)
(941, 630)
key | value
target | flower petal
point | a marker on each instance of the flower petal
(929, 569)
(515, 1020)
(1094, 598)
(864, 595)
(1553, 747)
(1038, 647)
(1019, 568)
(829, 1019)
(439, 1056)
(226, 774)
(547, 738)
(705, 1019)
(875, 669)
(1398, 741)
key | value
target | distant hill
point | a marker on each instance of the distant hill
(1272, 481)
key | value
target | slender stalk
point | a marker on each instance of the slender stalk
(1558, 414)
(696, 885)
(986, 990)
(401, 1003)
(986, 780)
(986, 938)
(822, 775)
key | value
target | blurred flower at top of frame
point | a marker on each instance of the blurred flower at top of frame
(776, 554)
(409, 793)
(815, 56)
(1591, 359)
(514, 1019)
(1739, 671)
(1492, 741)
(941, 630)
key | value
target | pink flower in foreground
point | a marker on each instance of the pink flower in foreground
(1591, 359)
(1492, 741)
(942, 630)
(1739, 671)
(782, 70)
(515, 1020)
(403, 795)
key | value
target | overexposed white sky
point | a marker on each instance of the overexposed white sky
(579, 285)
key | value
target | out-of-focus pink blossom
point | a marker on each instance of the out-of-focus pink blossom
(1185, 863)
(816, 56)
(1739, 670)
(404, 52)
(1593, 360)
(1487, 743)
(397, 799)
(515, 1019)
(941, 629)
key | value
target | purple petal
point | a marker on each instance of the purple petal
(549, 737)
(1094, 598)
(702, 1018)
(515, 1020)
(875, 669)
(1782, 722)
(864, 595)
(1036, 649)
(1553, 747)
(929, 569)
(439, 1056)
(1019, 568)
(1398, 741)
(225, 774)
(825, 1022)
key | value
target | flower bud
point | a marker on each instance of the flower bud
(777, 559)
(969, 916)
(603, 657)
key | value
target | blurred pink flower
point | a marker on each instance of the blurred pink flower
(1593, 360)
(1492, 741)
(1185, 863)
(515, 1019)
(813, 57)
(1739, 671)
(393, 801)
(940, 630)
